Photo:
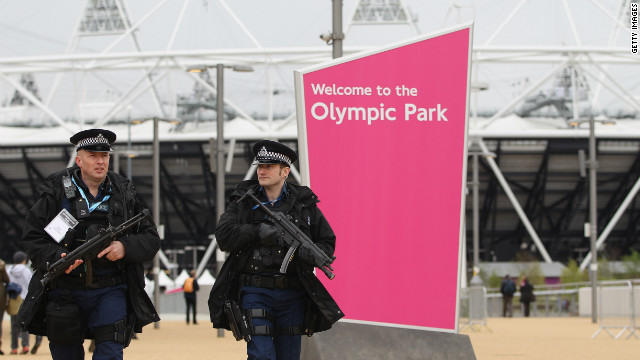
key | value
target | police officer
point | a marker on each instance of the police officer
(279, 307)
(101, 296)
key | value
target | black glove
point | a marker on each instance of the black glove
(68, 238)
(309, 257)
(269, 235)
(92, 231)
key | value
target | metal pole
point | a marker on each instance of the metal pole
(116, 162)
(174, 260)
(195, 249)
(476, 280)
(220, 142)
(129, 146)
(337, 29)
(195, 259)
(476, 215)
(156, 215)
(593, 219)
(220, 151)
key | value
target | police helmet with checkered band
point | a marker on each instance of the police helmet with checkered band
(96, 140)
(273, 152)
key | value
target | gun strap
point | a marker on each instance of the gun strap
(259, 313)
(112, 332)
(262, 330)
(266, 330)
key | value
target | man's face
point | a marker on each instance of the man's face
(93, 165)
(272, 174)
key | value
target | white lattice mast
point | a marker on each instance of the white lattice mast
(103, 17)
(383, 12)
(106, 18)
(621, 24)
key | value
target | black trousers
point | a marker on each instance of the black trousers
(191, 304)
(527, 308)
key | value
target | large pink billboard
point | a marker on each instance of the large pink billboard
(382, 139)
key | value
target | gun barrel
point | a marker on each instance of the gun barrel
(295, 233)
(59, 267)
(328, 272)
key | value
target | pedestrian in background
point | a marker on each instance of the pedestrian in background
(20, 274)
(4, 280)
(507, 288)
(526, 295)
(190, 287)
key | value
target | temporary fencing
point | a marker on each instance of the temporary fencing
(474, 308)
(618, 307)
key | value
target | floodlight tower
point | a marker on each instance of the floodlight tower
(105, 18)
(383, 12)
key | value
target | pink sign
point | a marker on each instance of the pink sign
(383, 145)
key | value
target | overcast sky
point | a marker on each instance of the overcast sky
(44, 27)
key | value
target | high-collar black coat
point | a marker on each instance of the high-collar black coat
(140, 245)
(235, 233)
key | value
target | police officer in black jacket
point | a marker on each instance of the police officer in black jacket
(279, 307)
(101, 296)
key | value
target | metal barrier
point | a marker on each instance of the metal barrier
(474, 309)
(559, 302)
(618, 307)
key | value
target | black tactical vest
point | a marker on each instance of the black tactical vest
(267, 260)
(109, 212)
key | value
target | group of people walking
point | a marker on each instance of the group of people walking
(508, 289)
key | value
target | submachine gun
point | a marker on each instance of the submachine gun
(294, 238)
(105, 235)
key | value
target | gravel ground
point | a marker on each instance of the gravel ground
(513, 338)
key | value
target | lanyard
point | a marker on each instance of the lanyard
(274, 202)
(94, 206)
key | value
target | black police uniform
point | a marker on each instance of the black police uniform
(280, 307)
(106, 299)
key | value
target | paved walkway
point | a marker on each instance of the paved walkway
(565, 338)
(513, 338)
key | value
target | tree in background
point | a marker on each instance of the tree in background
(605, 269)
(631, 265)
(572, 273)
(533, 272)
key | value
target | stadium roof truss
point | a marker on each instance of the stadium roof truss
(149, 69)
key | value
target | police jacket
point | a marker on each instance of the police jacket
(141, 244)
(236, 233)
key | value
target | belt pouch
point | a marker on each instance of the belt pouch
(64, 323)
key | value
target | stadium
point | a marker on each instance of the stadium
(554, 105)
